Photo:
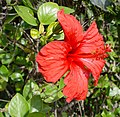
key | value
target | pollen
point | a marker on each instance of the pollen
(86, 67)
(93, 52)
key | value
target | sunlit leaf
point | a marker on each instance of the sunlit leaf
(50, 93)
(18, 106)
(114, 91)
(30, 89)
(26, 14)
(59, 36)
(18, 33)
(7, 59)
(4, 73)
(34, 33)
(53, 28)
(41, 29)
(8, 1)
(27, 3)
(67, 9)
(47, 13)
(16, 76)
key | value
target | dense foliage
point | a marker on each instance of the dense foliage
(25, 27)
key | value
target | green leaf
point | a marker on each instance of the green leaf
(53, 28)
(34, 33)
(26, 14)
(27, 3)
(1, 51)
(20, 60)
(109, 103)
(18, 106)
(19, 86)
(104, 82)
(1, 115)
(41, 29)
(118, 30)
(107, 114)
(67, 10)
(36, 114)
(61, 83)
(37, 105)
(25, 25)
(59, 36)
(18, 33)
(6, 114)
(117, 111)
(50, 93)
(8, 1)
(16, 77)
(4, 73)
(64, 114)
(7, 59)
(114, 91)
(47, 13)
(56, 28)
(110, 9)
(10, 18)
(3, 84)
(103, 4)
(46, 108)
(90, 13)
(30, 89)
(50, 29)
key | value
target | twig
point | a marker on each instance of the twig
(55, 109)
(3, 109)
(117, 76)
(21, 45)
(2, 100)
(86, 23)
(79, 106)
(28, 37)
(66, 107)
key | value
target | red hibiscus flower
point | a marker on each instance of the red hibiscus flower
(81, 53)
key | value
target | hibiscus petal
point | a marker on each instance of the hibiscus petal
(71, 27)
(92, 51)
(76, 84)
(52, 62)
(92, 41)
(95, 66)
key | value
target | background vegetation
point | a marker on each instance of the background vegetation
(25, 27)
